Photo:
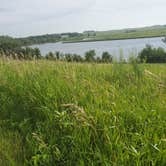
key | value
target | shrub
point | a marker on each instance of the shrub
(152, 55)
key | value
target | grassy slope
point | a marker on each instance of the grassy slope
(132, 33)
(82, 114)
(154, 31)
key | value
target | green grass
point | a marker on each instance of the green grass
(138, 33)
(55, 113)
(134, 33)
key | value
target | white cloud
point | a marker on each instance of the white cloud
(26, 17)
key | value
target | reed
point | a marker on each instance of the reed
(57, 113)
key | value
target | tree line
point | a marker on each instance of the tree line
(48, 38)
(90, 56)
(11, 48)
(152, 55)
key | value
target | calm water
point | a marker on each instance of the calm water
(116, 47)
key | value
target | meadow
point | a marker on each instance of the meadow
(133, 33)
(82, 114)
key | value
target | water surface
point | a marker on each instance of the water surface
(125, 48)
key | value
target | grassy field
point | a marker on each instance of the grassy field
(56, 113)
(133, 33)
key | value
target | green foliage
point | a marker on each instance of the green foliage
(11, 48)
(152, 55)
(7, 42)
(154, 31)
(50, 56)
(57, 113)
(48, 38)
(132, 33)
(90, 56)
(106, 57)
(11, 152)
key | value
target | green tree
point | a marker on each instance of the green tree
(90, 56)
(68, 57)
(77, 58)
(152, 55)
(50, 56)
(57, 55)
(106, 57)
(37, 53)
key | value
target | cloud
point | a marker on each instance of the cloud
(5, 10)
(26, 17)
(38, 10)
(2, 9)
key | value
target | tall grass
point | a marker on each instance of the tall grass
(56, 113)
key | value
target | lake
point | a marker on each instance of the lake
(125, 48)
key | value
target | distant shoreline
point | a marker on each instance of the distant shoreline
(96, 40)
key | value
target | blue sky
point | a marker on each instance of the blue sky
(35, 17)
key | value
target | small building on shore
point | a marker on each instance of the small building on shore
(89, 33)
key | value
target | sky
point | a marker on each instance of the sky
(20, 18)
